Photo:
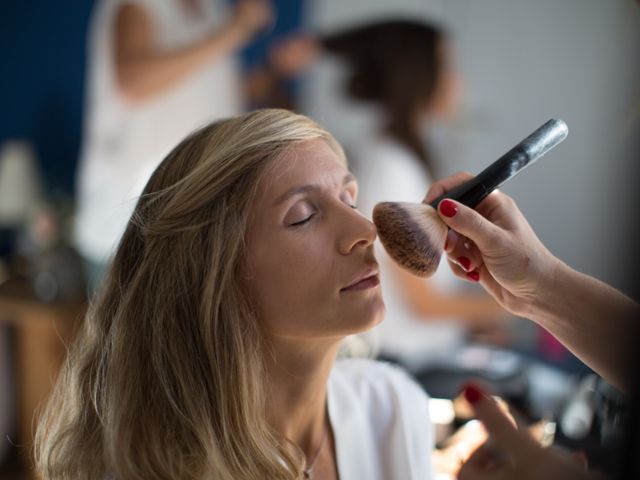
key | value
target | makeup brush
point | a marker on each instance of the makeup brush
(413, 233)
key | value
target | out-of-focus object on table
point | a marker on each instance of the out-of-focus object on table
(41, 332)
(7, 400)
(20, 186)
(579, 412)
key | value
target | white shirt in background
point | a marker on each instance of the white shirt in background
(388, 171)
(123, 142)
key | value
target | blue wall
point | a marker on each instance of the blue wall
(42, 53)
(42, 50)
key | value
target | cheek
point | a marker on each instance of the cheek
(292, 282)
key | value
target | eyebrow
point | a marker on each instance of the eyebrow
(348, 178)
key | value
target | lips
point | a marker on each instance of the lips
(364, 280)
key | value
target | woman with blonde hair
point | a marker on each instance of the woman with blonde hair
(211, 350)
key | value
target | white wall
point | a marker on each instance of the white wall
(524, 62)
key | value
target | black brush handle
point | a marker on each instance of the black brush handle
(472, 192)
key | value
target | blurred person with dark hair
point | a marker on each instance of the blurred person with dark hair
(157, 70)
(405, 69)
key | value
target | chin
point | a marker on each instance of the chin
(368, 316)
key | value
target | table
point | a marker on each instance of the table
(41, 333)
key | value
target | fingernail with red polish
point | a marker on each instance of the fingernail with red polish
(448, 208)
(465, 263)
(475, 276)
(472, 393)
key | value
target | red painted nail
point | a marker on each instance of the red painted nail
(465, 263)
(475, 276)
(448, 208)
(472, 393)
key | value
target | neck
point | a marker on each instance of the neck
(296, 398)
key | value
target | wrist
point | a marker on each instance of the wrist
(550, 296)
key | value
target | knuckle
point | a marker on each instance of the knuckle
(476, 222)
(508, 201)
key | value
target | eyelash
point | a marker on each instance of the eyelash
(306, 220)
(302, 222)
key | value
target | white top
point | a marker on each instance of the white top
(381, 423)
(124, 142)
(388, 171)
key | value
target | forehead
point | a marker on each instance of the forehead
(311, 161)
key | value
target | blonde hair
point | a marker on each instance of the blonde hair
(166, 379)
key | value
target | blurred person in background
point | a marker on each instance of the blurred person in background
(157, 69)
(405, 69)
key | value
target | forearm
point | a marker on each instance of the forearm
(593, 320)
(143, 75)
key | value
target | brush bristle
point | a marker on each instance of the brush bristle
(412, 234)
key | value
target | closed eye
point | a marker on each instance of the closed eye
(302, 222)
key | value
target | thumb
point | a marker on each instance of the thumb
(469, 223)
(501, 429)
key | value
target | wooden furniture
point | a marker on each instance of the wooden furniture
(41, 333)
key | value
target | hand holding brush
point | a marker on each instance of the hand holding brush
(499, 246)
(592, 319)
(414, 235)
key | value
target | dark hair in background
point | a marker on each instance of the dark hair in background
(396, 65)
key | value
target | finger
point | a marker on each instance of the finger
(501, 209)
(580, 458)
(457, 270)
(501, 429)
(451, 241)
(483, 455)
(451, 245)
(443, 186)
(485, 464)
(492, 287)
(465, 254)
(490, 472)
(470, 223)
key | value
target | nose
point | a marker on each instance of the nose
(355, 231)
